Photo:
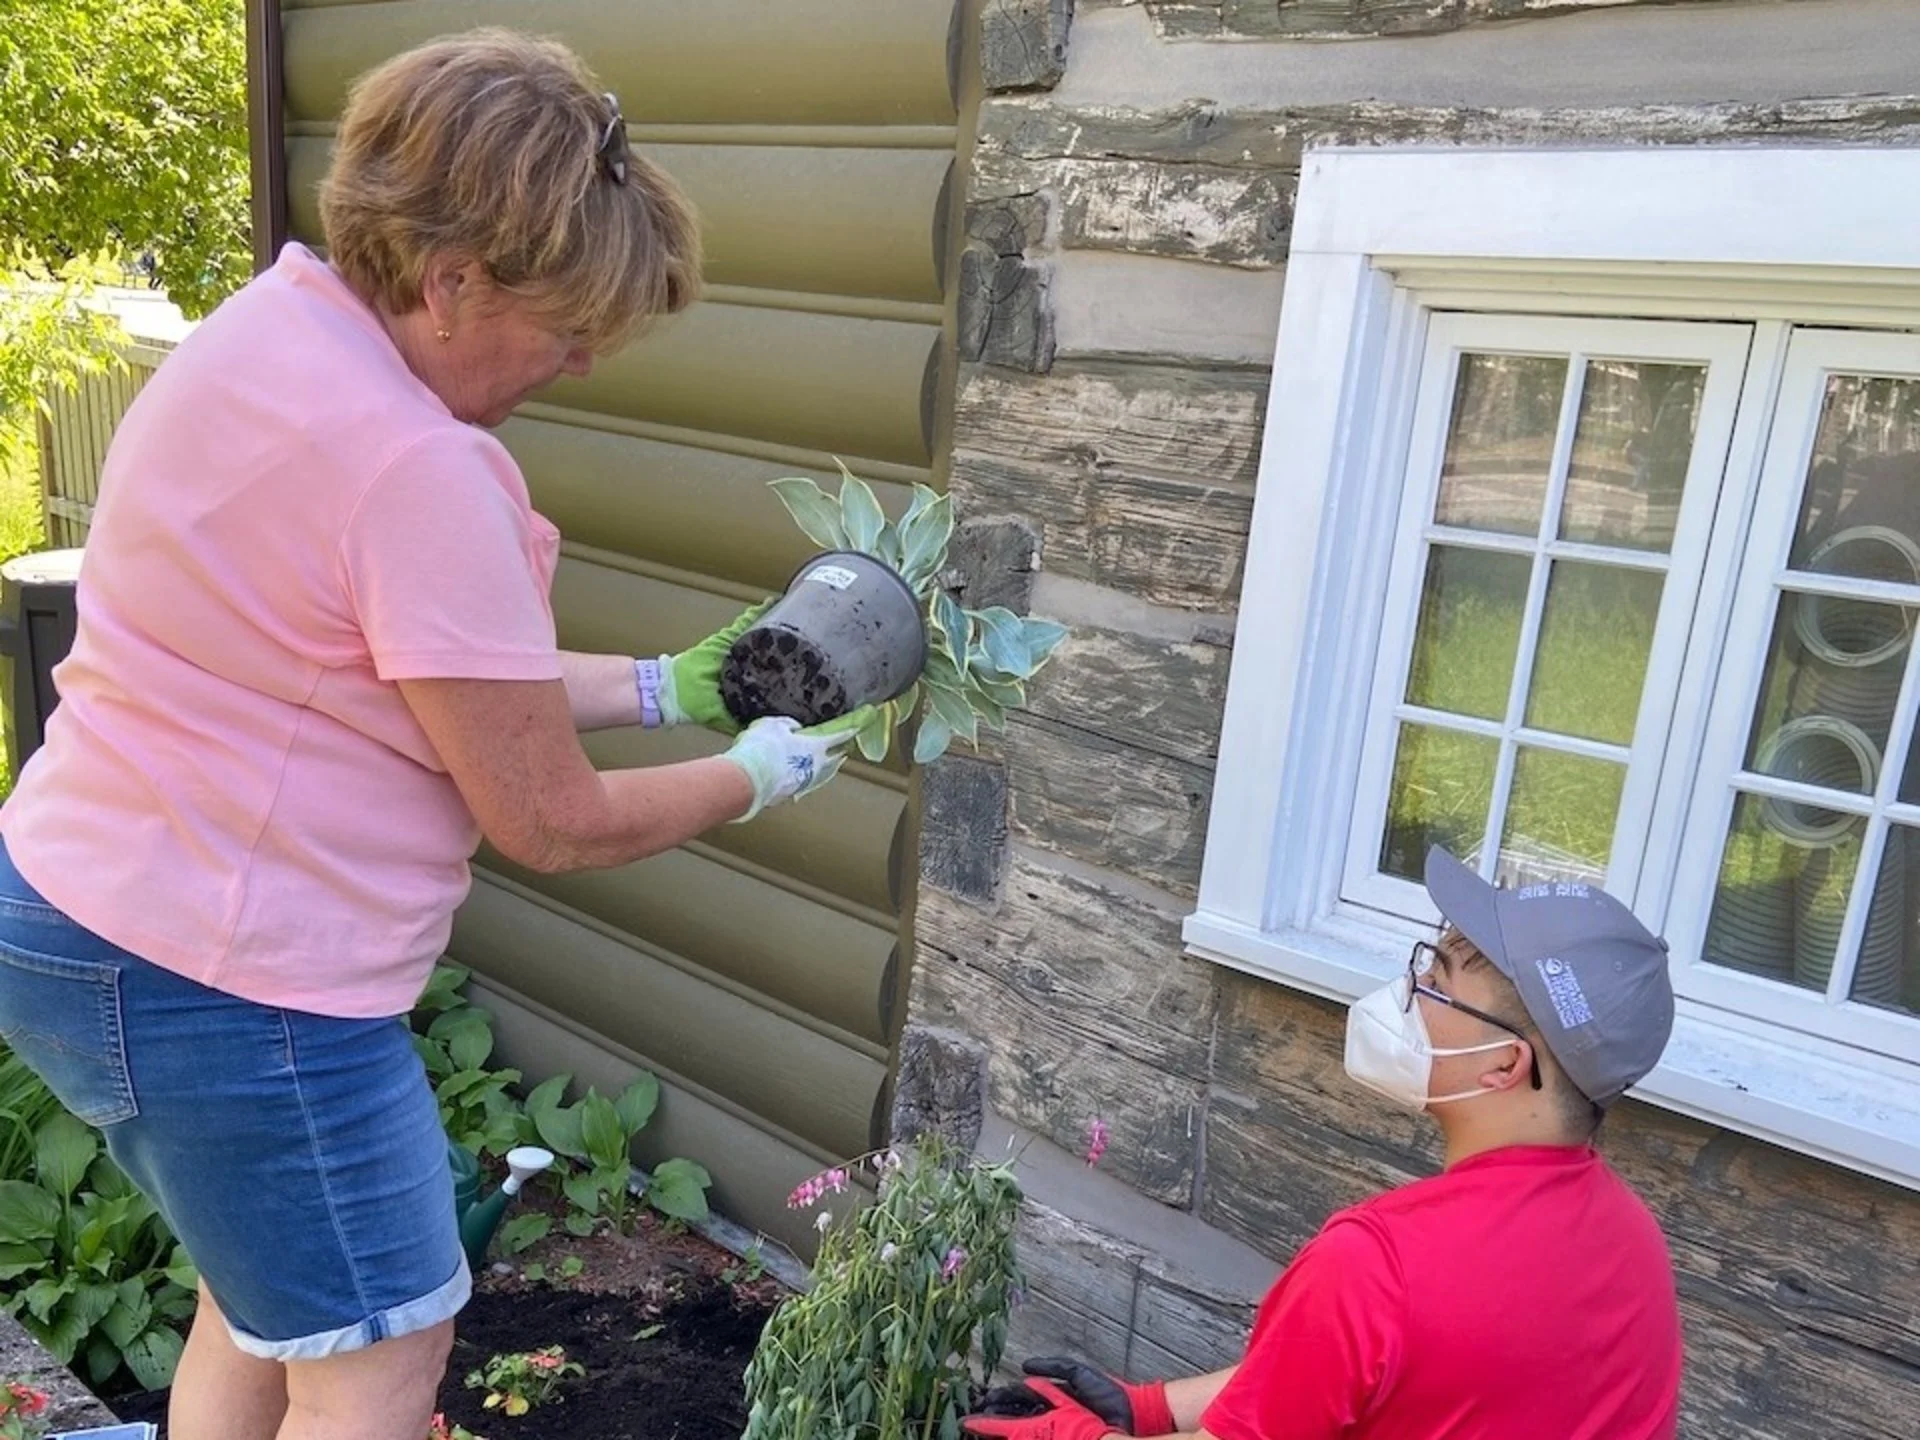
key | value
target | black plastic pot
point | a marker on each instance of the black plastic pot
(849, 632)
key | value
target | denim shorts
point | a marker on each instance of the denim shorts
(299, 1158)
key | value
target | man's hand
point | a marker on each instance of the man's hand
(1062, 1419)
(689, 683)
(1131, 1409)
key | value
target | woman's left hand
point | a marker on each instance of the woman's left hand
(689, 682)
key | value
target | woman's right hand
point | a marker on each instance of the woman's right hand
(785, 762)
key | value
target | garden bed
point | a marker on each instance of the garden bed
(663, 1322)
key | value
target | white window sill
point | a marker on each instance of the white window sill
(1801, 1093)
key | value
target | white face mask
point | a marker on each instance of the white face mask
(1388, 1049)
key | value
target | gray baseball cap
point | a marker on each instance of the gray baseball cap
(1593, 978)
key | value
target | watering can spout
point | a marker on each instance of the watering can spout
(480, 1218)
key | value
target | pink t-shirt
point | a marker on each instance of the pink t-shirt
(1525, 1292)
(232, 786)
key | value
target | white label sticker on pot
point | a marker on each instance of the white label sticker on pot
(837, 576)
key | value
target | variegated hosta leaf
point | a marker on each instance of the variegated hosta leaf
(923, 542)
(860, 514)
(956, 625)
(813, 510)
(876, 735)
(1004, 637)
(1043, 637)
(951, 706)
(932, 741)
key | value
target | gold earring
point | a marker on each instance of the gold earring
(445, 335)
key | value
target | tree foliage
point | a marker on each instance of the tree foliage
(123, 132)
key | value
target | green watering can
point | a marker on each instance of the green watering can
(480, 1218)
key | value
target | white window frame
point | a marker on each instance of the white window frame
(1383, 239)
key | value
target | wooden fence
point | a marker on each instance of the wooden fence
(74, 436)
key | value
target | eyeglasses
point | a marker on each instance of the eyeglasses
(1420, 965)
(613, 142)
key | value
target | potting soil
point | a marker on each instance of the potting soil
(671, 1372)
(777, 672)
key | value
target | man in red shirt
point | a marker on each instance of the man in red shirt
(1524, 1291)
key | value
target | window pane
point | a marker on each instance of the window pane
(1560, 817)
(1888, 972)
(1595, 636)
(1823, 716)
(1506, 412)
(1779, 905)
(1469, 631)
(1631, 447)
(1442, 785)
(1861, 512)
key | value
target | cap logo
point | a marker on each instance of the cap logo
(1557, 889)
(1570, 1005)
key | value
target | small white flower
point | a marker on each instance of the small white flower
(888, 1251)
(825, 1219)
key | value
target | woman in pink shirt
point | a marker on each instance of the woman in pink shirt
(315, 664)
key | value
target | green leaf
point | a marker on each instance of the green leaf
(954, 624)
(923, 542)
(17, 1260)
(124, 1322)
(601, 1131)
(90, 1304)
(886, 548)
(637, 1103)
(932, 740)
(582, 1190)
(812, 510)
(571, 1266)
(548, 1094)
(62, 1337)
(876, 735)
(537, 1272)
(107, 1179)
(443, 989)
(560, 1130)
(860, 513)
(1005, 641)
(579, 1224)
(459, 1083)
(468, 1035)
(433, 1055)
(679, 1188)
(952, 708)
(63, 1149)
(27, 1213)
(153, 1357)
(524, 1230)
(1043, 637)
(40, 1298)
(103, 1360)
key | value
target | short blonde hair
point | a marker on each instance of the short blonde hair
(487, 145)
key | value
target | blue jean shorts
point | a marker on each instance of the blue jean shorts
(299, 1158)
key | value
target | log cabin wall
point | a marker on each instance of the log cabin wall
(1127, 226)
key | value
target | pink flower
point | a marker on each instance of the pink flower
(544, 1362)
(1096, 1141)
(956, 1257)
(808, 1192)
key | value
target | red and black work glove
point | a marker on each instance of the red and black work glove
(1130, 1409)
(1036, 1410)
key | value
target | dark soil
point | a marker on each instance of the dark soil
(663, 1321)
(774, 671)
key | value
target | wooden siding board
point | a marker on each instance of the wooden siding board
(834, 221)
(847, 386)
(1352, 19)
(658, 501)
(1163, 696)
(821, 62)
(798, 1078)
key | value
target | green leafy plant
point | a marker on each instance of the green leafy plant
(905, 1292)
(597, 1135)
(980, 660)
(751, 1267)
(518, 1383)
(89, 1266)
(20, 1409)
(441, 1430)
(455, 1039)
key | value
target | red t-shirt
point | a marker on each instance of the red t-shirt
(1526, 1291)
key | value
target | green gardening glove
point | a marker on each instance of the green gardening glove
(686, 687)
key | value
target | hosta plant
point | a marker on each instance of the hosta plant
(86, 1263)
(979, 661)
(597, 1134)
